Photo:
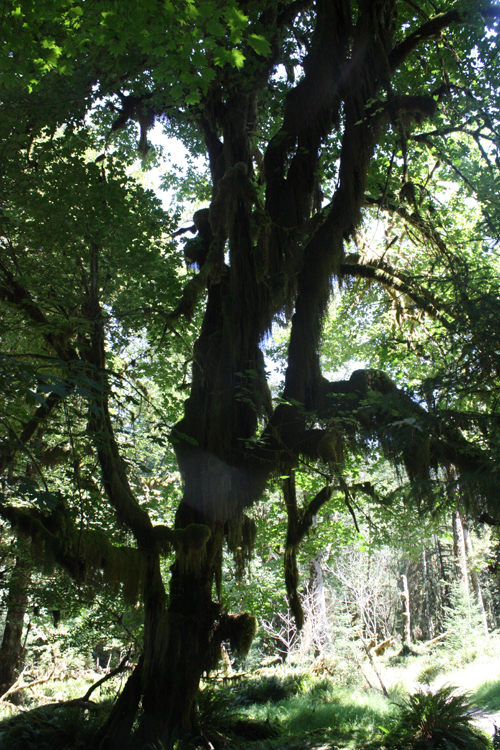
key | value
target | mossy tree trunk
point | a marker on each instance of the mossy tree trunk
(284, 260)
(17, 602)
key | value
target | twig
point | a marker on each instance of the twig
(362, 670)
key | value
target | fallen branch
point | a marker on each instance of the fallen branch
(13, 688)
(437, 638)
(374, 667)
(381, 648)
(84, 701)
(13, 705)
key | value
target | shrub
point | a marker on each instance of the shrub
(51, 728)
(268, 689)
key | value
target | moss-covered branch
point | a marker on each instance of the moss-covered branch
(431, 29)
(85, 555)
(384, 277)
(298, 524)
(410, 434)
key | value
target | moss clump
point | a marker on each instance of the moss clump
(241, 534)
(242, 629)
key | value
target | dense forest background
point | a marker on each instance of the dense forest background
(249, 370)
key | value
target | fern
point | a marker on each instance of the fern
(434, 720)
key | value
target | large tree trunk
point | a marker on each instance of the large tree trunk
(180, 643)
(17, 601)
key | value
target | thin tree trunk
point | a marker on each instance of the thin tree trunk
(430, 624)
(459, 551)
(476, 584)
(440, 585)
(318, 604)
(17, 602)
(405, 604)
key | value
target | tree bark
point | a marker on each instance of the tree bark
(17, 602)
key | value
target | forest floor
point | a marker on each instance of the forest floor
(283, 708)
(317, 713)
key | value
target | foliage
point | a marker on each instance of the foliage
(49, 728)
(268, 689)
(466, 638)
(488, 695)
(319, 712)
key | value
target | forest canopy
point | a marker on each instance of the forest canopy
(340, 205)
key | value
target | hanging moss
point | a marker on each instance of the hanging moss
(190, 544)
(239, 630)
(89, 557)
(241, 533)
(242, 630)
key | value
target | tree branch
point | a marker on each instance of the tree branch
(13, 292)
(9, 448)
(428, 30)
(368, 271)
(322, 497)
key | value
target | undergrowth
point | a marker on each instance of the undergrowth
(487, 695)
(52, 728)
(291, 709)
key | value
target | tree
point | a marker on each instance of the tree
(316, 118)
(12, 643)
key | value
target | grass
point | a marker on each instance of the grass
(487, 695)
(315, 713)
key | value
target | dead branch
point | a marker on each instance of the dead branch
(19, 685)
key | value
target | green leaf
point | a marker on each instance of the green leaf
(238, 58)
(260, 44)
(236, 19)
(47, 500)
